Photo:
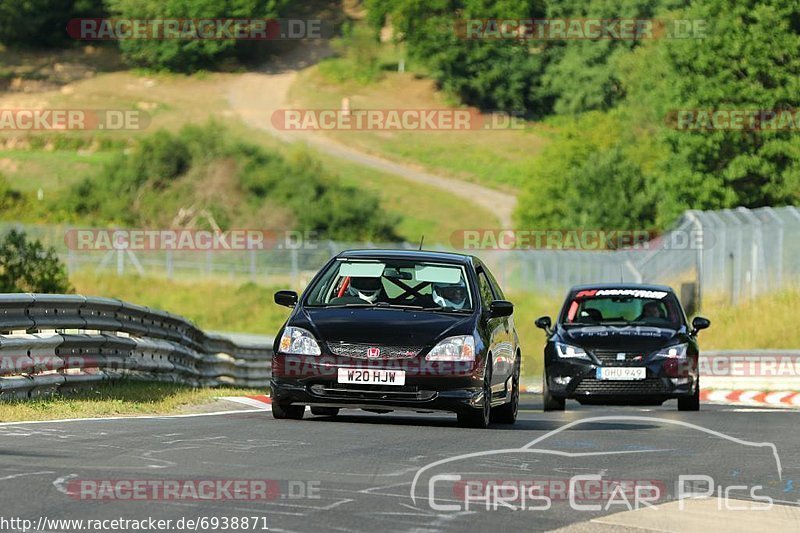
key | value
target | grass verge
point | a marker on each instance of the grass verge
(125, 398)
(212, 305)
(765, 322)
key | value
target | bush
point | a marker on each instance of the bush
(42, 23)
(27, 266)
(10, 199)
(358, 57)
(188, 55)
(165, 172)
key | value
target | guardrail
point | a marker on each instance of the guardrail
(51, 342)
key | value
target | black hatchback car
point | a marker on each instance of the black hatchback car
(621, 344)
(385, 330)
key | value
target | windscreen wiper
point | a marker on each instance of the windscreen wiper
(447, 309)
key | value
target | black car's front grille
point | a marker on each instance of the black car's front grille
(642, 386)
(619, 358)
(371, 392)
(373, 351)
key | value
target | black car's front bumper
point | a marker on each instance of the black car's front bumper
(578, 380)
(454, 387)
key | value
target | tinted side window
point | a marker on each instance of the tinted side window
(485, 289)
(496, 286)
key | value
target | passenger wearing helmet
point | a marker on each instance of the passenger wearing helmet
(449, 295)
(368, 289)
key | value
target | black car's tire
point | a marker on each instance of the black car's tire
(324, 411)
(507, 413)
(479, 418)
(287, 412)
(549, 402)
(690, 403)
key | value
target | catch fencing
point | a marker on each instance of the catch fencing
(735, 253)
(51, 342)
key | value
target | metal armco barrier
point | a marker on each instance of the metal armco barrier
(51, 342)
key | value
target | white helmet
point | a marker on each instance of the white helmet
(368, 289)
(450, 295)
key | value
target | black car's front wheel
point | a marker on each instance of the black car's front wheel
(690, 403)
(479, 418)
(549, 402)
(282, 411)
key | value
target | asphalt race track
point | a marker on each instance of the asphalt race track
(354, 472)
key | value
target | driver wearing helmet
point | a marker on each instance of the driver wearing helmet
(368, 289)
(449, 295)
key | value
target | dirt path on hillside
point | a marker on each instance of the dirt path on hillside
(255, 95)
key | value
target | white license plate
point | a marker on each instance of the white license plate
(622, 373)
(372, 377)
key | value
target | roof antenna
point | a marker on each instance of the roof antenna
(421, 241)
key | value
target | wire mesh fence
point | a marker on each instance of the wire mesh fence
(734, 253)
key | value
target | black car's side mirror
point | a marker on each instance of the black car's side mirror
(543, 322)
(501, 308)
(698, 323)
(286, 298)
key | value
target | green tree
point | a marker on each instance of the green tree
(43, 23)
(750, 59)
(188, 55)
(591, 176)
(27, 266)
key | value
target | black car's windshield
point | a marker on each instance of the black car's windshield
(623, 306)
(392, 283)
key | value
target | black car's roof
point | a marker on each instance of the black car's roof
(643, 286)
(425, 255)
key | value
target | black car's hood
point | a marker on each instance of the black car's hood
(395, 327)
(623, 338)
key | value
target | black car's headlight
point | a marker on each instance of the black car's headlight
(568, 351)
(298, 341)
(459, 348)
(676, 351)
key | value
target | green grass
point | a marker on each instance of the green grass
(768, 321)
(499, 158)
(527, 308)
(30, 170)
(423, 209)
(212, 305)
(124, 398)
